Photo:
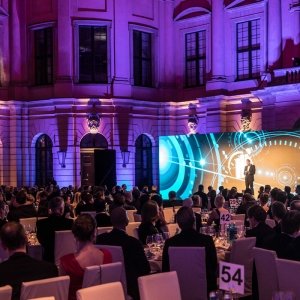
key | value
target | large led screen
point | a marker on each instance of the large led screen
(185, 161)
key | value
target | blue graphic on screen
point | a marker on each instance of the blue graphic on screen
(185, 161)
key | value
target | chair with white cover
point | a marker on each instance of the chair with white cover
(130, 228)
(271, 223)
(57, 287)
(191, 261)
(265, 264)
(108, 291)
(242, 254)
(288, 272)
(95, 275)
(101, 230)
(117, 256)
(130, 214)
(159, 286)
(235, 217)
(64, 244)
(5, 292)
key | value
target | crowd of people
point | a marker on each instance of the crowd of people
(65, 209)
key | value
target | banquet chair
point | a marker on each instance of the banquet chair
(95, 275)
(242, 254)
(193, 286)
(64, 244)
(130, 214)
(130, 228)
(159, 286)
(5, 292)
(271, 223)
(57, 287)
(288, 272)
(265, 264)
(108, 291)
(117, 256)
(101, 230)
(240, 217)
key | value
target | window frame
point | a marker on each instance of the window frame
(154, 50)
(94, 23)
(32, 61)
(197, 59)
(250, 49)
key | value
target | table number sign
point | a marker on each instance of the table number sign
(225, 218)
(231, 277)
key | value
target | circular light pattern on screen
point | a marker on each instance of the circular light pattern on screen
(286, 176)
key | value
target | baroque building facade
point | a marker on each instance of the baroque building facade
(136, 70)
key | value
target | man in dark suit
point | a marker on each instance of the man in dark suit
(190, 237)
(249, 172)
(20, 267)
(135, 261)
(259, 229)
(45, 228)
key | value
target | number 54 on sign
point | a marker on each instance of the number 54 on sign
(232, 277)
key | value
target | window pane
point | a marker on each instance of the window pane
(142, 58)
(93, 54)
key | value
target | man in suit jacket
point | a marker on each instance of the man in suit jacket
(249, 172)
(20, 267)
(259, 229)
(45, 228)
(136, 263)
(189, 237)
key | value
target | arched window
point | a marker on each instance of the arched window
(43, 160)
(94, 141)
(143, 161)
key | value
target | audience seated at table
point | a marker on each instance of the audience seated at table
(21, 208)
(135, 261)
(247, 201)
(149, 226)
(55, 222)
(281, 243)
(216, 212)
(73, 264)
(189, 237)
(20, 267)
(278, 212)
(259, 229)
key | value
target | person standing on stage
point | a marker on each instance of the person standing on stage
(249, 172)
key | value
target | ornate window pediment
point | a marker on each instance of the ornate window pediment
(230, 4)
(191, 9)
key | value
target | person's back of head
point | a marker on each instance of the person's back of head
(185, 218)
(13, 236)
(278, 210)
(118, 218)
(287, 189)
(219, 201)
(295, 205)
(248, 198)
(267, 188)
(257, 212)
(157, 198)
(263, 199)
(119, 199)
(56, 206)
(86, 197)
(149, 212)
(273, 193)
(21, 197)
(290, 223)
(281, 196)
(297, 190)
(172, 195)
(200, 188)
(188, 202)
(196, 201)
(84, 228)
